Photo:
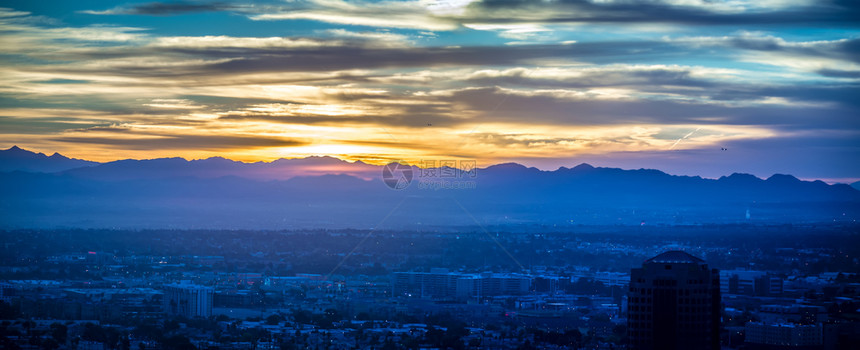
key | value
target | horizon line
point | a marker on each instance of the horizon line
(830, 181)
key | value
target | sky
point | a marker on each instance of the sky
(690, 87)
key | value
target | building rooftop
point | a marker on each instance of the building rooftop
(674, 256)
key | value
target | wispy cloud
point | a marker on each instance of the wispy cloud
(385, 14)
(496, 14)
(165, 8)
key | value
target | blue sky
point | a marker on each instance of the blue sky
(686, 86)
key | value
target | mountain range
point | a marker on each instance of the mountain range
(16, 158)
(41, 191)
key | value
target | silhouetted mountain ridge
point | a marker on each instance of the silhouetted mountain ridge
(328, 192)
(16, 158)
(280, 169)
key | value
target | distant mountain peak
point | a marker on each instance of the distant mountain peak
(583, 166)
(215, 160)
(17, 158)
(508, 166)
(740, 176)
(782, 178)
(18, 151)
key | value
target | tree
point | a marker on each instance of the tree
(50, 344)
(273, 319)
(526, 346)
(301, 316)
(8, 312)
(178, 342)
(148, 331)
(125, 343)
(93, 332)
(59, 332)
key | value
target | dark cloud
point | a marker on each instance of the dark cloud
(832, 97)
(418, 119)
(847, 50)
(37, 126)
(651, 79)
(822, 13)
(354, 56)
(342, 58)
(807, 108)
(172, 8)
(836, 73)
(497, 105)
(358, 54)
(184, 142)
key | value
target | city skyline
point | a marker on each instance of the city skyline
(703, 287)
(689, 88)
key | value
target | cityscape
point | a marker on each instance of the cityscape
(586, 287)
(430, 174)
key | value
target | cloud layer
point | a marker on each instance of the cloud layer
(544, 83)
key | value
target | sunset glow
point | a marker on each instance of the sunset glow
(545, 84)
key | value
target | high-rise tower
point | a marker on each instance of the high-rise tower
(674, 304)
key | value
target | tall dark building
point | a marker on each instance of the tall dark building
(674, 304)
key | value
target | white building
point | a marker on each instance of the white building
(189, 300)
